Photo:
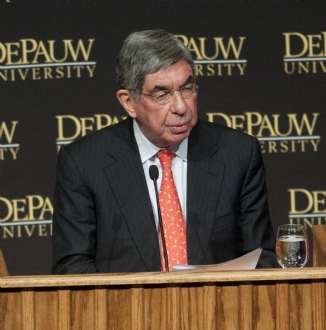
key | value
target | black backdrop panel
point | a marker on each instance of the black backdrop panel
(260, 66)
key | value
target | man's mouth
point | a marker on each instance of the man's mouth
(180, 128)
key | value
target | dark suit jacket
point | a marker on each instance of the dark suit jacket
(103, 219)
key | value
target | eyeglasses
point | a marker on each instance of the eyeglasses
(165, 96)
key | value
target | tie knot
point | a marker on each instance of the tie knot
(165, 156)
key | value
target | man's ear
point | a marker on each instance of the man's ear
(127, 101)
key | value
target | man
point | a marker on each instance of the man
(105, 211)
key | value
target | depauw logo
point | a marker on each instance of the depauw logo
(277, 133)
(31, 59)
(27, 216)
(304, 53)
(71, 127)
(307, 207)
(9, 147)
(216, 56)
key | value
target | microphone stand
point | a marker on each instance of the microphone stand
(153, 173)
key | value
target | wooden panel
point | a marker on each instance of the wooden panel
(282, 307)
(46, 301)
(137, 309)
(174, 317)
(64, 309)
(191, 304)
(28, 310)
(245, 307)
(300, 307)
(227, 308)
(264, 302)
(155, 308)
(100, 309)
(82, 310)
(3, 267)
(210, 310)
(319, 245)
(119, 308)
(11, 306)
(318, 305)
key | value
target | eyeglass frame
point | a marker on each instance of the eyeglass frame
(171, 92)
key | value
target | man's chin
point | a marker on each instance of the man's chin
(177, 138)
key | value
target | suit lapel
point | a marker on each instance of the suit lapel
(126, 178)
(205, 178)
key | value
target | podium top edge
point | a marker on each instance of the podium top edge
(167, 279)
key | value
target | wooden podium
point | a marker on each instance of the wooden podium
(258, 299)
(319, 245)
(280, 299)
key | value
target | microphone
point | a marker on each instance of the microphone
(153, 174)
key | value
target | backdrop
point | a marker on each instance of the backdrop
(260, 66)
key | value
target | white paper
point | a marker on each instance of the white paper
(245, 262)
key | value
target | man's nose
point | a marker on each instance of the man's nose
(178, 103)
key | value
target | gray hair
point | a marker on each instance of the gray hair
(147, 52)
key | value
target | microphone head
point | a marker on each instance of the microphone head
(153, 172)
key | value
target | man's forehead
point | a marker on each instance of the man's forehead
(159, 87)
(179, 73)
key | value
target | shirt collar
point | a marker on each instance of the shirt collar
(148, 150)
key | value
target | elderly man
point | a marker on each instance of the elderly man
(211, 178)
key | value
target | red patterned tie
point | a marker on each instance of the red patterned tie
(172, 217)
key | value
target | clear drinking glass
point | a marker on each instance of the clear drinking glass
(292, 248)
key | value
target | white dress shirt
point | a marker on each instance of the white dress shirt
(148, 157)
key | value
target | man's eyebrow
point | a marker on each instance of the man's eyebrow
(158, 88)
(190, 80)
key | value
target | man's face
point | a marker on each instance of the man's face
(172, 122)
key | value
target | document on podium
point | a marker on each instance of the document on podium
(245, 262)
